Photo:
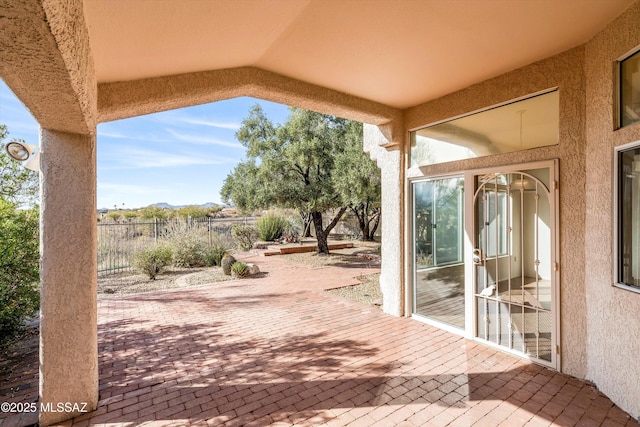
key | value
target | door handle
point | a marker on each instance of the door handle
(477, 256)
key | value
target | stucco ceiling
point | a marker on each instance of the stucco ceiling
(396, 52)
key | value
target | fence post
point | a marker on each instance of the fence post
(155, 230)
(210, 231)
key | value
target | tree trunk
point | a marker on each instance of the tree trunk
(322, 234)
(323, 246)
(362, 213)
(306, 223)
(376, 222)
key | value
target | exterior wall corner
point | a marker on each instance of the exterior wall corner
(392, 269)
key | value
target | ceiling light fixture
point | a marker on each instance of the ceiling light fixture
(25, 153)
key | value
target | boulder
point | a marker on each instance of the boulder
(253, 269)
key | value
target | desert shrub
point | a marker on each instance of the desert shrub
(244, 235)
(240, 269)
(19, 269)
(291, 233)
(152, 259)
(271, 226)
(188, 244)
(216, 252)
(189, 253)
(227, 262)
(113, 216)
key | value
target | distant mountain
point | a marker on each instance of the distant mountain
(165, 205)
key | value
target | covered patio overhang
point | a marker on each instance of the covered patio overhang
(75, 64)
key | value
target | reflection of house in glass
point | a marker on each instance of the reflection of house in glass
(438, 236)
(516, 126)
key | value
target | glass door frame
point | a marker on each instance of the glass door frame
(411, 294)
(470, 184)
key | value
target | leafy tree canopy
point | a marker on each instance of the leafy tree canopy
(19, 268)
(300, 164)
(359, 184)
(197, 212)
(151, 212)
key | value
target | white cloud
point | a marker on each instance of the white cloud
(136, 158)
(107, 134)
(176, 118)
(201, 122)
(202, 140)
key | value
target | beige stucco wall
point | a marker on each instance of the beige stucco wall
(47, 62)
(391, 272)
(68, 305)
(564, 71)
(613, 314)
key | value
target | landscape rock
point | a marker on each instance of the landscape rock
(253, 269)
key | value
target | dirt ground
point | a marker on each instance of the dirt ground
(362, 254)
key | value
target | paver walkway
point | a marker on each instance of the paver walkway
(278, 351)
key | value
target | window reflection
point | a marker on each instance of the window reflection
(438, 234)
(630, 90)
(521, 125)
(629, 217)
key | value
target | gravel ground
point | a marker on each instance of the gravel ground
(363, 253)
(128, 282)
(366, 293)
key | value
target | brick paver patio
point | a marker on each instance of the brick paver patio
(276, 350)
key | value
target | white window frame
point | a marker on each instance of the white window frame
(618, 90)
(616, 216)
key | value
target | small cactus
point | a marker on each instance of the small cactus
(227, 262)
(240, 269)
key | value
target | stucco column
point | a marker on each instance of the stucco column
(392, 268)
(68, 322)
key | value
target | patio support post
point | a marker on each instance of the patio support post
(388, 155)
(68, 321)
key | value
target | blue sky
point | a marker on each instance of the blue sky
(179, 157)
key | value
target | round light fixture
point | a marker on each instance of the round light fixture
(18, 151)
(24, 152)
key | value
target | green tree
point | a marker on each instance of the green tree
(19, 268)
(129, 215)
(152, 212)
(243, 188)
(359, 182)
(17, 183)
(113, 215)
(294, 165)
(194, 212)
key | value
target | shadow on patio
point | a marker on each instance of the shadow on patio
(250, 352)
(279, 351)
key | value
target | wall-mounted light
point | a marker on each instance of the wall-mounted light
(28, 154)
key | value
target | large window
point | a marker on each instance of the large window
(515, 126)
(438, 222)
(628, 217)
(630, 90)
(438, 279)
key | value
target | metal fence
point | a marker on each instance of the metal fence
(119, 241)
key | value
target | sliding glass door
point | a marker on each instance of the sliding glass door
(484, 257)
(438, 220)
